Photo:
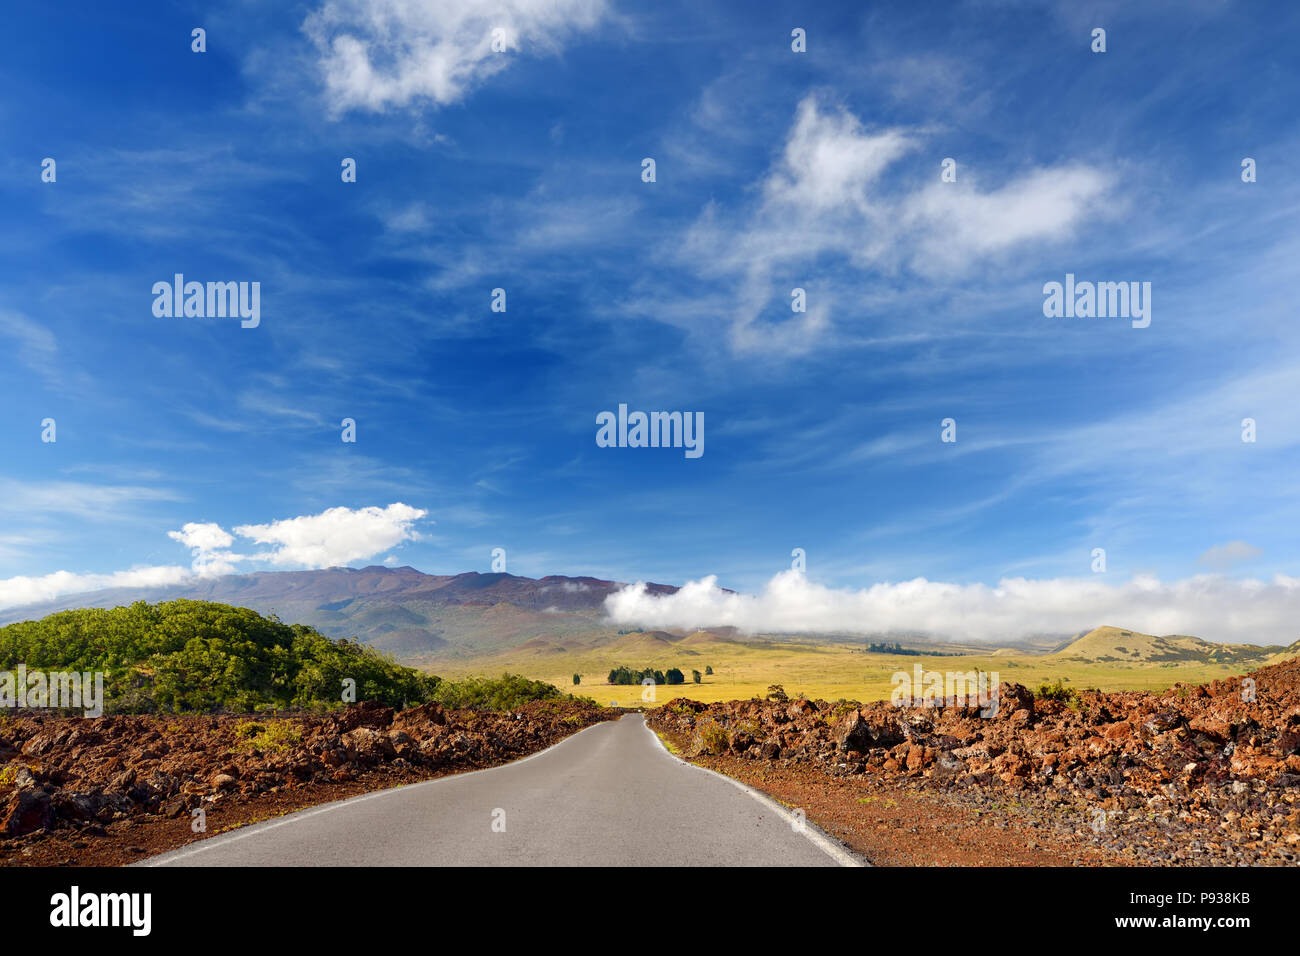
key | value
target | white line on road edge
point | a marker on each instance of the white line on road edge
(211, 843)
(826, 844)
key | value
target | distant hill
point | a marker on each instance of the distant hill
(1116, 645)
(410, 614)
(701, 639)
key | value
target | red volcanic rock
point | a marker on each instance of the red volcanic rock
(1199, 751)
(26, 811)
(73, 772)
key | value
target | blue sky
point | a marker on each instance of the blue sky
(775, 170)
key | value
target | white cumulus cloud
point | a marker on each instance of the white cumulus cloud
(334, 537)
(1212, 607)
(337, 536)
(208, 543)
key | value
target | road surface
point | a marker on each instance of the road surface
(610, 795)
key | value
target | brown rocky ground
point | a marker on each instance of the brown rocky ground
(111, 790)
(1195, 775)
(892, 826)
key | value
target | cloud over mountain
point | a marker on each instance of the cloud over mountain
(1211, 606)
(335, 537)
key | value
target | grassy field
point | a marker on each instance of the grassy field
(832, 671)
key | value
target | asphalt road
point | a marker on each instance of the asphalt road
(610, 795)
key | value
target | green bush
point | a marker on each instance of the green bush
(276, 737)
(188, 656)
(507, 692)
(1058, 691)
(712, 738)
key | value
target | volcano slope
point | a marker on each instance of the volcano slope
(1204, 774)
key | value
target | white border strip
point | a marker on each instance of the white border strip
(831, 847)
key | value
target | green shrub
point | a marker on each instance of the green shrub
(1058, 691)
(712, 738)
(507, 692)
(276, 737)
(842, 707)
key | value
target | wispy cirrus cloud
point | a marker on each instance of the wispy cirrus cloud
(75, 498)
(828, 199)
(1226, 555)
(34, 344)
(376, 54)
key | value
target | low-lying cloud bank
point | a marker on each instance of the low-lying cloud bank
(22, 590)
(334, 538)
(1212, 607)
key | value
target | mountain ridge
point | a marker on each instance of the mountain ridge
(424, 619)
(402, 610)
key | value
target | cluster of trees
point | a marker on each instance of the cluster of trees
(201, 656)
(626, 675)
(884, 647)
(620, 675)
